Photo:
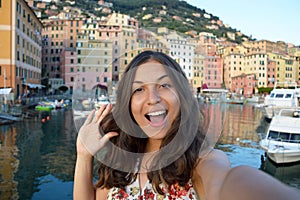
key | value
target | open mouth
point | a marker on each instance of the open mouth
(156, 118)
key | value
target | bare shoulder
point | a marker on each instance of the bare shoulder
(101, 194)
(213, 156)
(210, 172)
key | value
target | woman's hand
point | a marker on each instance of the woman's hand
(89, 140)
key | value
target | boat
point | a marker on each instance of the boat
(255, 99)
(5, 121)
(234, 99)
(282, 141)
(280, 98)
(6, 116)
(100, 101)
(45, 106)
(213, 95)
(16, 110)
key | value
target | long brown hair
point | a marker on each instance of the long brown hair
(187, 132)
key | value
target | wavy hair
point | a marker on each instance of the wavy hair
(187, 134)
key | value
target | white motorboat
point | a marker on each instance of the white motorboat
(255, 99)
(100, 101)
(282, 141)
(280, 98)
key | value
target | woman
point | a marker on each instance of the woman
(152, 145)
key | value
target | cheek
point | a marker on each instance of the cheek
(136, 106)
(175, 104)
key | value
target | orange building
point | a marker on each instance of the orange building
(21, 50)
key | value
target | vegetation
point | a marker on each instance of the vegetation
(173, 8)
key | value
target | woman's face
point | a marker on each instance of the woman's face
(154, 101)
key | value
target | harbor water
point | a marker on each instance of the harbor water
(37, 156)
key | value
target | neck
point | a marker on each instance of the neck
(153, 145)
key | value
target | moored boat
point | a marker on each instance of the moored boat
(45, 106)
(282, 141)
(100, 101)
(255, 99)
(234, 99)
(280, 98)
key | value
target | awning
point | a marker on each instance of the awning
(63, 88)
(33, 85)
(104, 87)
(5, 90)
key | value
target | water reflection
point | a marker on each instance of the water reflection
(287, 173)
(31, 150)
(37, 159)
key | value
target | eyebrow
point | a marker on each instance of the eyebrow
(160, 78)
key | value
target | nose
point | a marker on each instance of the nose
(153, 96)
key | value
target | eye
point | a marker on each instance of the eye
(140, 89)
(165, 85)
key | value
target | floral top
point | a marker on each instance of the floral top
(132, 191)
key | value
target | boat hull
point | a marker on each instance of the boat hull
(279, 152)
(44, 108)
(282, 141)
(269, 111)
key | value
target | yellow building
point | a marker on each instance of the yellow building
(233, 64)
(198, 71)
(294, 53)
(20, 43)
(94, 58)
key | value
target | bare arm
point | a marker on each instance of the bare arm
(212, 171)
(83, 178)
(89, 142)
(247, 183)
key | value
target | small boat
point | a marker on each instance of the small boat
(280, 98)
(45, 106)
(282, 141)
(101, 100)
(16, 110)
(255, 99)
(234, 99)
(6, 116)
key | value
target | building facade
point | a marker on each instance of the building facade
(21, 44)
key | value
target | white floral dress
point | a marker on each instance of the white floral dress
(175, 192)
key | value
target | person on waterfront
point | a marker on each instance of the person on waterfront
(153, 144)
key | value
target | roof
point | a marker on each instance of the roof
(5, 91)
(33, 85)
(285, 124)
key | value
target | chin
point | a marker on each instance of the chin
(155, 133)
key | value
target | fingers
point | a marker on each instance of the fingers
(89, 118)
(108, 136)
(102, 112)
(108, 108)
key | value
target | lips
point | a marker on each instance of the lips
(156, 118)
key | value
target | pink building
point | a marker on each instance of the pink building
(207, 41)
(69, 71)
(271, 73)
(243, 84)
(213, 71)
(58, 35)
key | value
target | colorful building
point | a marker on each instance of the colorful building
(21, 48)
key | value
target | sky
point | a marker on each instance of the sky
(274, 20)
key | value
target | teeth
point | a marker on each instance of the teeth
(157, 113)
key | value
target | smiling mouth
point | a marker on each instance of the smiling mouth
(156, 118)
